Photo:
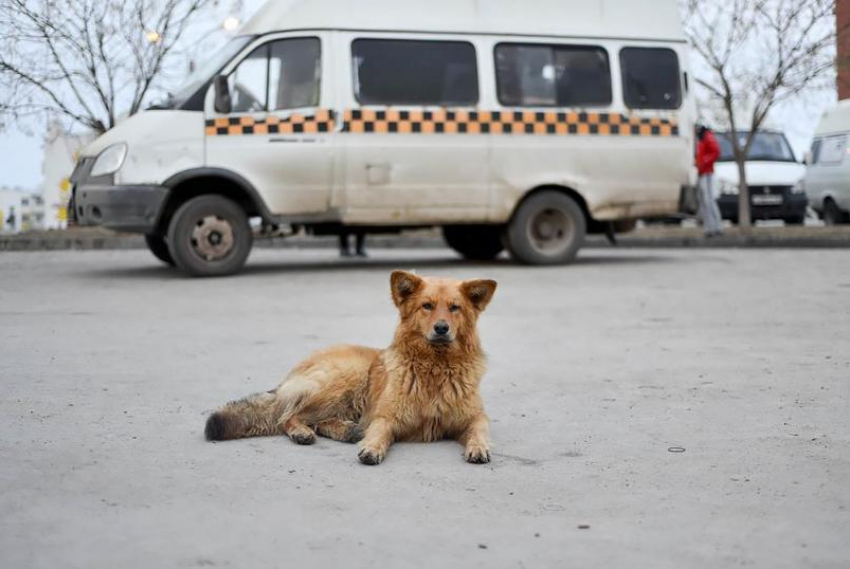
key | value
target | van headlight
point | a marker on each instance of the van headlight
(799, 188)
(109, 160)
(728, 187)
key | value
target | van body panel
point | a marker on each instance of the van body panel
(287, 154)
(160, 143)
(828, 169)
(397, 166)
(653, 19)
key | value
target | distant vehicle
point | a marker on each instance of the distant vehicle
(827, 180)
(507, 124)
(773, 176)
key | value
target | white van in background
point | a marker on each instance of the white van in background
(773, 178)
(518, 125)
(827, 180)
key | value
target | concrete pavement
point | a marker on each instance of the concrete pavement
(598, 372)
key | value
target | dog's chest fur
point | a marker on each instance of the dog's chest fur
(434, 400)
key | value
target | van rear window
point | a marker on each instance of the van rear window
(535, 75)
(413, 72)
(650, 78)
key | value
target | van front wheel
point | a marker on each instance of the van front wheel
(547, 229)
(209, 236)
(475, 242)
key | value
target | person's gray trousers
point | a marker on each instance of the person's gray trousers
(709, 213)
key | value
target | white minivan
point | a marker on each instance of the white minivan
(509, 125)
(827, 180)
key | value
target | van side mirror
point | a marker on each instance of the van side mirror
(807, 157)
(223, 103)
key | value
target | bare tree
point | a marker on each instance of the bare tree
(757, 54)
(90, 61)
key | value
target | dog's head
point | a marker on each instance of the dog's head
(441, 312)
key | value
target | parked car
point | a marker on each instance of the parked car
(506, 124)
(827, 180)
(773, 176)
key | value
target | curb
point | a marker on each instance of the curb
(651, 238)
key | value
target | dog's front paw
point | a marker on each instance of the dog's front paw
(303, 437)
(354, 434)
(370, 456)
(477, 454)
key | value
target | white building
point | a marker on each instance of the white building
(61, 151)
(20, 210)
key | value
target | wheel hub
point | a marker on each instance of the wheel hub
(212, 238)
(550, 231)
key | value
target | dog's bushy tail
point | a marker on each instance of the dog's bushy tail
(253, 416)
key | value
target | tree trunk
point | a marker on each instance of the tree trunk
(744, 219)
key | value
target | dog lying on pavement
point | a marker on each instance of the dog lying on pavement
(424, 387)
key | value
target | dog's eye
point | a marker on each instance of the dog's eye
(428, 306)
(454, 308)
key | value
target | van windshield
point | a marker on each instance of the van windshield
(767, 146)
(204, 73)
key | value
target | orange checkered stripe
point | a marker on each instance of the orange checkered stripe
(451, 122)
(321, 121)
(506, 122)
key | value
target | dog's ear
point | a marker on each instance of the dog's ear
(402, 285)
(479, 292)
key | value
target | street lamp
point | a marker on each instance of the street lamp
(230, 23)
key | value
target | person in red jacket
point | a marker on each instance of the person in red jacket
(708, 151)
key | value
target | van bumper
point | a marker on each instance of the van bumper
(123, 208)
(793, 206)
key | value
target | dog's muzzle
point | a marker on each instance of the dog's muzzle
(440, 333)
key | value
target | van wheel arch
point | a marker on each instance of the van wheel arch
(210, 181)
(567, 191)
(832, 213)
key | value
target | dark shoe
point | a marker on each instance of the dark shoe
(362, 253)
(345, 253)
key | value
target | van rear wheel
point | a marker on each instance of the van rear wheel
(157, 245)
(475, 242)
(832, 214)
(209, 236)
(547, 229)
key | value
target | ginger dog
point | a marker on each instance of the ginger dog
(424, 387)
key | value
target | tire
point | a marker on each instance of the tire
(548, 228)
(832, 214)
(475, 242)
(209, 236)
(159, 248)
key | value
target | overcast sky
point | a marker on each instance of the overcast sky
(22, 152)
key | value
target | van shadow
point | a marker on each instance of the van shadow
(435, 261)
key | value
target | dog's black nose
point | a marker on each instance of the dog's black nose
(441, 327)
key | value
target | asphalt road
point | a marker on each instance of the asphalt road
(598, 372)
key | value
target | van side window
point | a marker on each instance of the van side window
(295, 73)
(650, 78)
(535, 75)
(832, 150)
(249, 82)
(413, 72)
(280, 75)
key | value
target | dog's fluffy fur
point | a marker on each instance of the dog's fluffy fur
(424, 387)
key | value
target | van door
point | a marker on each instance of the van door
(827, 173)
(414, 150)
(279, 134)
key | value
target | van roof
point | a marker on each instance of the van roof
(630, 19)
(836, 119)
